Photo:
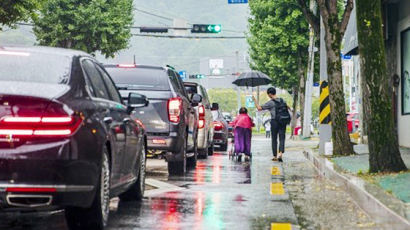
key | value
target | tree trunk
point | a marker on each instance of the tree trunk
(302, 86)
(340, 135)
(295, 91)
(377, 97)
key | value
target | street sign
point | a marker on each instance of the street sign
(347, 57)
(183, 75)
(237, 1)
(316, 84)
(249, 102)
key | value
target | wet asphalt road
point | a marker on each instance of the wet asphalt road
(223, 194)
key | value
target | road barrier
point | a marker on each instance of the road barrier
(324, 115)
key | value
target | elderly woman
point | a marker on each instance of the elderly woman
(243, 134)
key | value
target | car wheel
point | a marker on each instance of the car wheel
(96, 216)
(179, 167)
(224, 147)
(211, 149)
(191, 162)
(136, 191)
(203, 153)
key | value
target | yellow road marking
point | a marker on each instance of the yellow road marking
(275, 171)
(277, 188)
(281, 226)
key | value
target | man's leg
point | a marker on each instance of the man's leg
(282, 138)
(274, 136)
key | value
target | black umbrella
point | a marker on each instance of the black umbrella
(252, 79)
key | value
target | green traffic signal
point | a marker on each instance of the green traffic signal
(206, 28)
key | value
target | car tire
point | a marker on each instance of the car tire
(224, 147)
(179, 167)
(191, 162)
(203, 153)
(211, 149)
(96, 216)
(136, 191)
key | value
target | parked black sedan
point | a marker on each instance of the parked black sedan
(66, 138)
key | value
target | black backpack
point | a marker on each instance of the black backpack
(282, 112)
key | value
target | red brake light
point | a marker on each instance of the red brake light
(13, 53)
(174, 109)
(126, 65)
(55, 122)
(17, 189)
(201, 111)
(218, 126)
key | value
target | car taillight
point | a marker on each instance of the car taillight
(201, 123)
(218, 126)
(55, 122)
(201, 111)
(174, 109)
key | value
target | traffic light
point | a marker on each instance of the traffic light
(206, 28)
(197, 76)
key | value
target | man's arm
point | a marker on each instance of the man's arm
(258, 107)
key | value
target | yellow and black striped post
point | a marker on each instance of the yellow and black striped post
(324, 112)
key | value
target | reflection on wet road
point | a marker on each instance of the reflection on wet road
(218, 194)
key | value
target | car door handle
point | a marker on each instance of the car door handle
(108, 120)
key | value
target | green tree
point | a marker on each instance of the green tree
(383, 143)
(88, 25)
(12, 11)
(335, 16)
(279, 43)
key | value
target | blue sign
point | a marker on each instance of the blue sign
(249, 102)
(316, 84)
(183, 75)
(347, 57)
(237, 1)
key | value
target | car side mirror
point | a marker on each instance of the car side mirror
(136, 100)
(196, 99)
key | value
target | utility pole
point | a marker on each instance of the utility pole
(325, 128)
(307, 118)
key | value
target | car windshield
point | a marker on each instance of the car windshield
(139, 78)
(34, 67)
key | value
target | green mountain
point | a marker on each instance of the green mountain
(181, 53)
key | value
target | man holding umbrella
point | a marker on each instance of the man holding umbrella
(280, 118)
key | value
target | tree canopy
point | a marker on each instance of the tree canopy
(279, 40)
(12, 11)
(88, 25)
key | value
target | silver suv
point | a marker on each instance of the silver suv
(205, 120)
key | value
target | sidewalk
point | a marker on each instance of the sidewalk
(380, 194)
(397, 184)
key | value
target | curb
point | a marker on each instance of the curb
(354, 186)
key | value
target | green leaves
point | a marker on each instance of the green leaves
(88, 25)
(278, 40)
(12, 11)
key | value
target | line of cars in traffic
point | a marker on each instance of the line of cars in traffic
(74, 133)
